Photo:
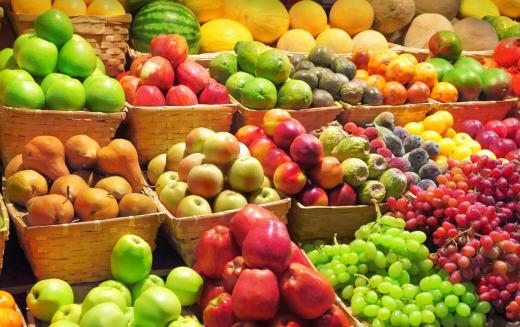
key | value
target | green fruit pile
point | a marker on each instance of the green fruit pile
(258, 77)
(133, 298)
(45, 70)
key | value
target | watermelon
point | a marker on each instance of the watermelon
(164, 17)
(133, 5)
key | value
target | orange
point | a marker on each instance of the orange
(447, 116)
(435, 123)
(462, 139)
(71, 7)
(414, 128)
(444, 92)
(408, 56)
(400, 70)
(447, 145)
(377, 81)
(33, 7)
(105, 8)
(308, 16)
(426, 73)
(361, 74)
(6, 300)
(450, 132)
(431, 136)
(10, 318)
(461, 153)
(441, 160)
(379, 61)
(394, 93)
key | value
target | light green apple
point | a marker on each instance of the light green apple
(229, 200)
(47, 296)
(131, 259)
(129, 314)
(186, 283)
(157, 306)
(121, 288)
(106, 314)
(103, 294)
(172, 194)
(63, 323)
(185, 321)
(69, 312)
(144, 284)
(246, 174)
(165, 179)
(193, 205)
(264, 195)
(174, 155)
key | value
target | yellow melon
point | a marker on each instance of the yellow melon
(336, 39)
(297, 41)
(233, 9)
(509, 8)
(267, 19)
(105, 8)
(71, 7)
(370, 39)
(352, 16)
(222, 35)
(34, 7)
(309, 16)
(206, 9)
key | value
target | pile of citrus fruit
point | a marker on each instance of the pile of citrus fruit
(9, 317)
(70, 7)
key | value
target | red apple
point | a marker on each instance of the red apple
(342, 195)
(215, 248)
(513, 155)
(297, 256)
(221, 148)
(289, 178)
(507, 52)
(334, 317)
(327, 173)
(256, 295)
(260, 146)
(242, 221)
(159, 72)
(196, 138)
(306, 150)
(181, 95)
(512, 125)
(286, 132)
(286, 319)
(232, 271)
(502, 147)
(193, 75)
(149, 96)
(172, 47)
(188, 163)
(486, 138)
(130, 85)
(214, 93)
(246, 134)
(273, 118)
(120, 76)
(273, 159)
(517, 138)
(210, 290)
(137, 65)
(472, 127)
(496, 126)
(313, 196)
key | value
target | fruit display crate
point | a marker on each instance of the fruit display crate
(365, 114)
(4, 230)
(108, 35)
(424, 53)
(18, 126)
(203, 59)
(480, 110)
(78, 252)
(154, 129)
(319, 222)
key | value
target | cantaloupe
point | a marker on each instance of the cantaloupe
(392, 15)
(369, 39)
(476, 34)
(352, 16)
(267, 20)
(423, 27)
(509, 8)
(447, 8)
(309, 16)
(337, 39)
(296, 40)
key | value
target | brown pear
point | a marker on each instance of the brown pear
(50, 209)
(69, 186)
(46, 155)
(96, 204)
(115, 185)
(135, 204)
(25, 185)
(81, 152)
(13, 166)
(89, 176)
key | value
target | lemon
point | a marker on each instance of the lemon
(447, 145)
(487, 153)
(336, 39)
(447, 116)
(431, 136)
(474, 146)
(435, 123)
(461, 152)
(309, 16)
(450, 132)
(414, 128)
(441, 160)
(222, 35)
(296, 40)
(462, 138)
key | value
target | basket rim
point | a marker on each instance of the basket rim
(336, 107)
(509, 100)
(124, 17)
(197, 107)
(62, 113)
(357, 206)
(4, 231)
(347, 106)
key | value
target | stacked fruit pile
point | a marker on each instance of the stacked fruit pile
(36, 56)
(73, 195)
(506, 56)
(264, 277)
(8, 311)
(471, 218)
(133, 298)
(212, 167)
(70, 7)
(150, 81)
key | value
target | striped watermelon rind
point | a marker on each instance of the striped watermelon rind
(164, 17)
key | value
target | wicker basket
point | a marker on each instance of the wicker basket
(481, 110)
(363, 114)
(78, 252)
(108, 36)
(154, 129)
(423, 54)
(311, 119)
(313, 223)
(4, 231)
(19, 126)
(203, 59)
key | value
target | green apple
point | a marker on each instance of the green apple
(66, 95)
(193, 205)
(69, 312)
(185, 322)
(157, 306)
(106, 314)
(131, 259)
(174, 155)
(121, 288)
(64, 323)
(102, 294)
(172, 194)
(266, 183)
(105, 94)
(9, 76)
(229, 200)
(77, 58)
(51, 78)
(144, 284)
(20, 41)
(54, 26)
(129, 314)
(24, 94)
(186, 283)
(264, 195)
(246, 174)
(100, 66)
(7, 60)
(91, 79)
(155, 168)
(37, 56)
(47, 296)
(165, 179)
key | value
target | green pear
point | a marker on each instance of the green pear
(69, 312)
(185, 322)
(47, 296)
(144, 284)
(120, 287)
(157, 306)
(131, 259)
(129, 314)
(104, 315)
(102, 294)
(63, 323)
(186, 283)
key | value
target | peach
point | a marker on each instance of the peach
(273, 118)
(342, 195)
(186, 164)
(206, 181)
(286, 132)
(260, 146)
(273, 159)
(246, 134)
(327, 173)
(313, 196)
(221, 148)
(289, 178)
(196, 139)
(306, 150)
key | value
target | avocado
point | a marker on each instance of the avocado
(332, 83)
(385, 119)
(321, 98)
(308, 77)
(351, 93)
(297, 58)
(372, 96)
(344, 66)
(361, 82)
(321, 56)
(304, 65)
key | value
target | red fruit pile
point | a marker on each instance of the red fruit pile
(507, 56)
(255, 274)
(169, 78)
